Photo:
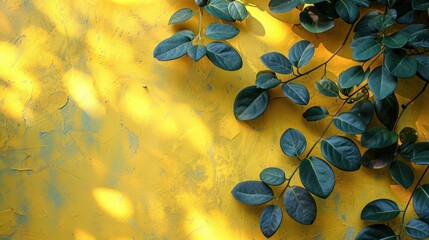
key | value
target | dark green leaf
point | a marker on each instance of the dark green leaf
(353, 76)
(384, 21)
(237, 10)
(366, 49)
(197, 52)
(296, 92)
(396, 40)
(413, 29)
(363, 24)
(417, 229)
(272, 176)
(221, 31)
(300, 205)
(341, 152)
(387, 110)
(423, 67)
(363, 3)
(280, 6)
(250, 103)
(400, 64)
(379, 158)
(380, 210)
(408, 151)
(277, 62)
(314, 20)
(219, 9)
(327, 9)
(406, 13)
(386, 2)
(224, 56)
(181, 15)
(381, 82)
(315, 113)
(172, 48)
(253, 192)
(421, 202)
(267, 80)
(408, 135)
(402, 174)
(350, 123)
(365, 110)
(317, 176)
(327, 87)
(346, 91)
(186, 33)
(301, 53)
(420, 4)
(421, 39)
(201, 3)
(293, 142)
(421, 158)
(271, 218)
(359, 38)
(348, 10)
(378, 137)
(376, 232)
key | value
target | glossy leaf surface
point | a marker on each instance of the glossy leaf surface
(237, 10)
(267, 80)
(279, 6)
(315, 113)
(271, 219)
(197, 52)
(252, 192)
(421, 201)
(224, 56)
(387, 110)
(341, 152)
(172, 48)
(314, 20)
(301, 53)
(402, 174)
(219, 31)
(181, 15)
(348, 10)
(300, 205)
(351, 77)
(327, 87)
(293, 142)
(277, 62)
(250, 103)
(364, 109)
(375, 232)
(317, 176)
(219, 9)
(296, 92)
(378, 137)
(350, 123)
(400, 64)
(380, 210)
(272, 176)
(418, 229)
(423, 67)
(381, 82)
(378, 158)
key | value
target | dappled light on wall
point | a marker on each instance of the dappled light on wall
(114, 203)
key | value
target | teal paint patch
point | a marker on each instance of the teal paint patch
(344, 217)
(53, 192)
(68, 112)
(117, 166)
(350, 234)
(47, 141)
(89, 124)
(133, 141)
(336, 200)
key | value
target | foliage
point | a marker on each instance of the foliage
(389, 44)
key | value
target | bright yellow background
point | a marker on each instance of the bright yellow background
(101, 141)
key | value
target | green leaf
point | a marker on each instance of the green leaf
(421, 202)
(351, 77)
(280, 6)
(366, 49)
(197, 52)
(341, 152)
(421, 158)
(396, 40)
(350, 123)
(383, 21)
(378, 137)
(417, 229)
(317, 176)
(327, 87)
(219, 31)
(363, 3)
(270, 221)
(379, 158)
(224, 56)
(219, 9)
(363, 24)
(413, 29)
(346, 91)
(300, 205)
(381, 82)
(314, 20)
(327, 9)
(420, 4)
(296, 92)
(201, 3)
(406, 13)
(402, 174)
(250, 103)
(423, 67)
(421, 39)
(380, 210)
(408, 135)
(181, 15)
(348, 10)
(408, 151)
(272, 176)
(253, 192)
(293, 142)
(315, 113)
(267, 80)
(301, 53)
(364, 109)
(237, 10)
(277, 62)
(386, 2)
(387, 110)
(375, 232)
(186, 33)
(172, 48)
(400, 64)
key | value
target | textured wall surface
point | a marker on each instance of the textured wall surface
(98, 140)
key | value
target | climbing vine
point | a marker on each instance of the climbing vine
(389, 43)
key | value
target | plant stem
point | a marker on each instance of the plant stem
(411, 197)
(287, 185)
(405, 106)
(200, 26)
(328, 60)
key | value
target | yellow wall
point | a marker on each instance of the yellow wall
(101, 141)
